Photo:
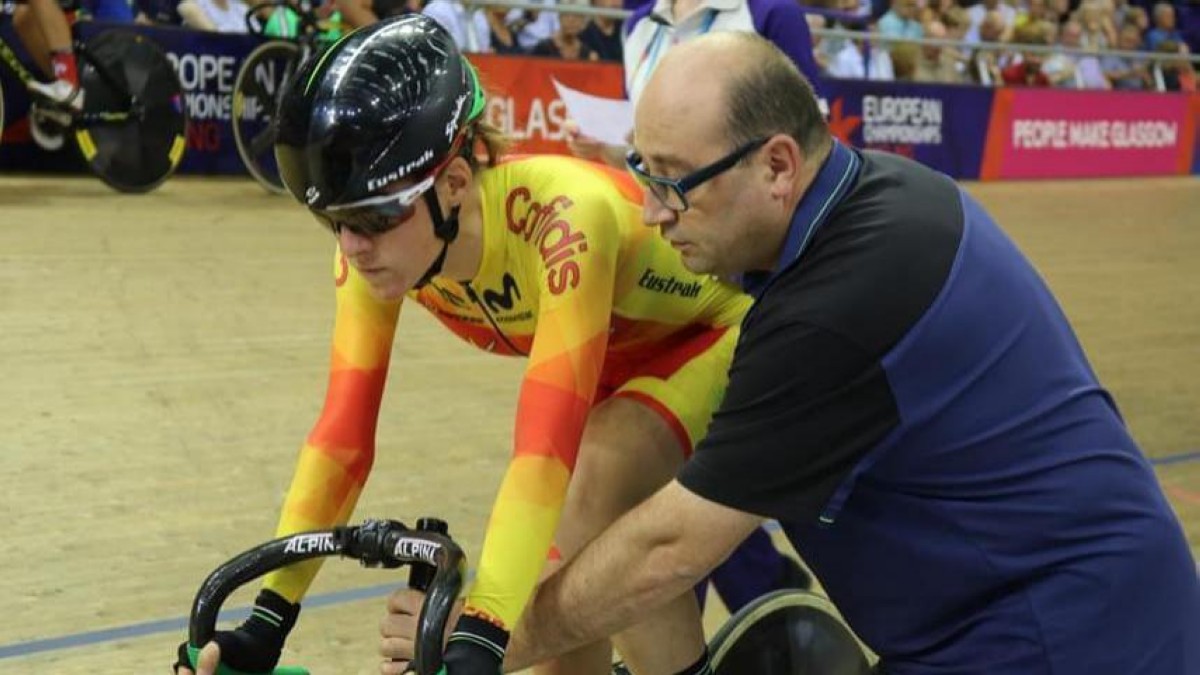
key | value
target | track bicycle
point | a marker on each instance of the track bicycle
(789, 632)
(437, 566)
(299, 34)
(132, 130)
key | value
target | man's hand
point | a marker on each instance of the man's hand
(584, 147)
(398, 629)
(210, 658)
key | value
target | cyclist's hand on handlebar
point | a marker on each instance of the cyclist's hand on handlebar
(398, 629)
(255, 646)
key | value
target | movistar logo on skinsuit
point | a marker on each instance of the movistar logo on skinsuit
(668, 284)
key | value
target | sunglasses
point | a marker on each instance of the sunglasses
(375, 215)
(672, 192)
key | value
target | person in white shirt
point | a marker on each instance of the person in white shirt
(468, 27)
(222, 16)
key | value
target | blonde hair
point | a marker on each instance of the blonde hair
(495, 144)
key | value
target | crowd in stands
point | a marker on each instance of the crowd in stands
(1089, 26)
(1085, 30)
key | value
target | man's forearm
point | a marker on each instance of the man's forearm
(649, 557)
(616, 578)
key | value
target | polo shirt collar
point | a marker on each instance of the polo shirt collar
(831, 184)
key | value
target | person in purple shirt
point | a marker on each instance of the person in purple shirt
(1164, 26)
(657, 25)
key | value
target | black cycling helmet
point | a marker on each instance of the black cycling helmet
(389, 101)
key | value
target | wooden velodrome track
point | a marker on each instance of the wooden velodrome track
(164, 355)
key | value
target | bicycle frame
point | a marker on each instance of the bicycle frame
(385, 543)
(14, 62)
(128, 103)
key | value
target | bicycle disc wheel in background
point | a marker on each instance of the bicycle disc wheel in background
(135, 153)
(258, 86)
(787, 633)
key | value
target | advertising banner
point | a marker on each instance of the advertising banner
(523, 102)
(1044, 133)
(941, 126)
(966, 132)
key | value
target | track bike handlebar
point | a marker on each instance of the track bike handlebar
(375, 543)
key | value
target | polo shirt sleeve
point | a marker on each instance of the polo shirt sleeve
(803, 405)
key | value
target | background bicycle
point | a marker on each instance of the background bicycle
(131, 130)
(299, 31)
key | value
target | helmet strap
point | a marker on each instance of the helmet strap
(444, 228)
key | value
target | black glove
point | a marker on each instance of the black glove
(255, 646)
(476, 647)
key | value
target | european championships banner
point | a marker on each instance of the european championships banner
(938, 125)
(964, 131)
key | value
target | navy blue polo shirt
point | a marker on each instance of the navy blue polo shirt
(909, 401)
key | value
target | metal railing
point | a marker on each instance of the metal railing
(1156, 58)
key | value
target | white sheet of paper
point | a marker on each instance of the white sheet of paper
(604, 119)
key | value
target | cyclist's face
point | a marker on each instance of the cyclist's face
(393, 261)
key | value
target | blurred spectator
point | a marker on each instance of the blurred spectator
(565, 42)
(977, 13)
(501, 37)
(936, 63)
(1125, 72)
(1164, 27)
(860, 59)
(901, 20)
(603, 33)
(904, 57)
(1026, 71)
(1061, 10)
(532, 26)
(158, 12)
(957, 22)
(817, 22)
(1073, 70)
(1096, 20)
(469, 29)
(983, 65)
(357, 13)
(1034, 11)
(1175, 74)
(652, 30)
(223, 16)
(1137, 16)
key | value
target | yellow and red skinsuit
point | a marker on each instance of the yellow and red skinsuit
(570, 277)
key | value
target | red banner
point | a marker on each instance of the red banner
(523, 102)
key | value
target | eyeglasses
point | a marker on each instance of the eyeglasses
(672, 192)
(375, 215)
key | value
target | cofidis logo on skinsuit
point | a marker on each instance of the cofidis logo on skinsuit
(546, 227)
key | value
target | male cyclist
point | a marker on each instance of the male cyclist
(44, 30)
(543, 257)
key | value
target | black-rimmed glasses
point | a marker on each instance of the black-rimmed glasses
(672, 192)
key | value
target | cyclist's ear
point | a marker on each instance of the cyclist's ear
(458, 179)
